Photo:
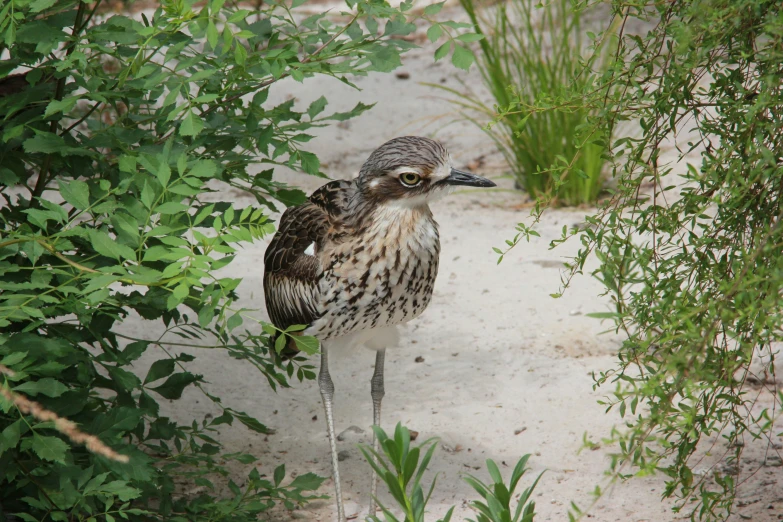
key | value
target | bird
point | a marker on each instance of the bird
(359, 258)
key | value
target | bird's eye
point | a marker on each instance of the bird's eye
(410, 179)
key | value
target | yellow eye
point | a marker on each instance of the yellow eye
(410, 179)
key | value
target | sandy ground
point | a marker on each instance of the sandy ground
(495, 367)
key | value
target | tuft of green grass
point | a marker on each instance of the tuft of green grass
(401, 467)
(529, 60)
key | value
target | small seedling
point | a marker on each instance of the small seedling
(401, 468)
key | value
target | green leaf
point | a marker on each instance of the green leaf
(54, 210)
(127, 164)
(317, 107)
(49, 143)
(433, 9)
(25, 516)
(77, 193)
(280, 343)
(356, 111)
(385, 59)
(239, 15)
(140, 467)
(372, 25)
(251, 422)
(603, 315)
(163, 174)
(171, 98)
(8, 177)
(121, 489)
(296, 328)
(462, 58)
(240, 54)
(310, 162)
(39, 5)
(203, 169)
(470, 37)
(307, 344)
(494, 472)
(106, 246)
(434, 32)
(44, 142)
(134, 350)
(147, 195)
(244, 458)
(212, 34)
(49, 448)
(173, 386)
(46, 386)
(171, 207)
(181, 291)
(279, 474)
(205, 98)
(183, 189)
(191, 124)
(307, 482)
(202, 75)
(125, 226)
(64, 106)
(160, 369)
(13, 358)
(234, 321)
(10, 436)
(37, 217)
(12, 132)
(442, 51)
(123, 378)
(116, 422)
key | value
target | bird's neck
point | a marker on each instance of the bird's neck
(397, 223)
(368, 217)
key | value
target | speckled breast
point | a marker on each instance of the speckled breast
(383, 278)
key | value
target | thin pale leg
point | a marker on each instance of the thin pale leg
(327, 394)
(376, 391)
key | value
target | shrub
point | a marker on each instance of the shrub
(530, 57)
(692, 264)
(114, 131)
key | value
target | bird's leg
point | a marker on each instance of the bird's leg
(326, 387)
(376, 391)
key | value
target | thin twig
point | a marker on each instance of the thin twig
(64, 426)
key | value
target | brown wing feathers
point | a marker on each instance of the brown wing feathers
(291, 276)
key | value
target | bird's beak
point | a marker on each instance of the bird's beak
(458, 177)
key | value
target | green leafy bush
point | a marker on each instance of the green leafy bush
(401, 467)
(530, 57)
(113, 132)
(690, 254)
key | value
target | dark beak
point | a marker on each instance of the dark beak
(458, 177)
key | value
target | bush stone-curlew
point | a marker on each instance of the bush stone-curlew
(360, 257)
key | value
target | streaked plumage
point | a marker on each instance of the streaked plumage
(361, 256)
(375, 259)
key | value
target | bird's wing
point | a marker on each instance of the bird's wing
(292, 269)
(291, 272)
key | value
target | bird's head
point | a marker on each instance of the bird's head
(412, 171)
